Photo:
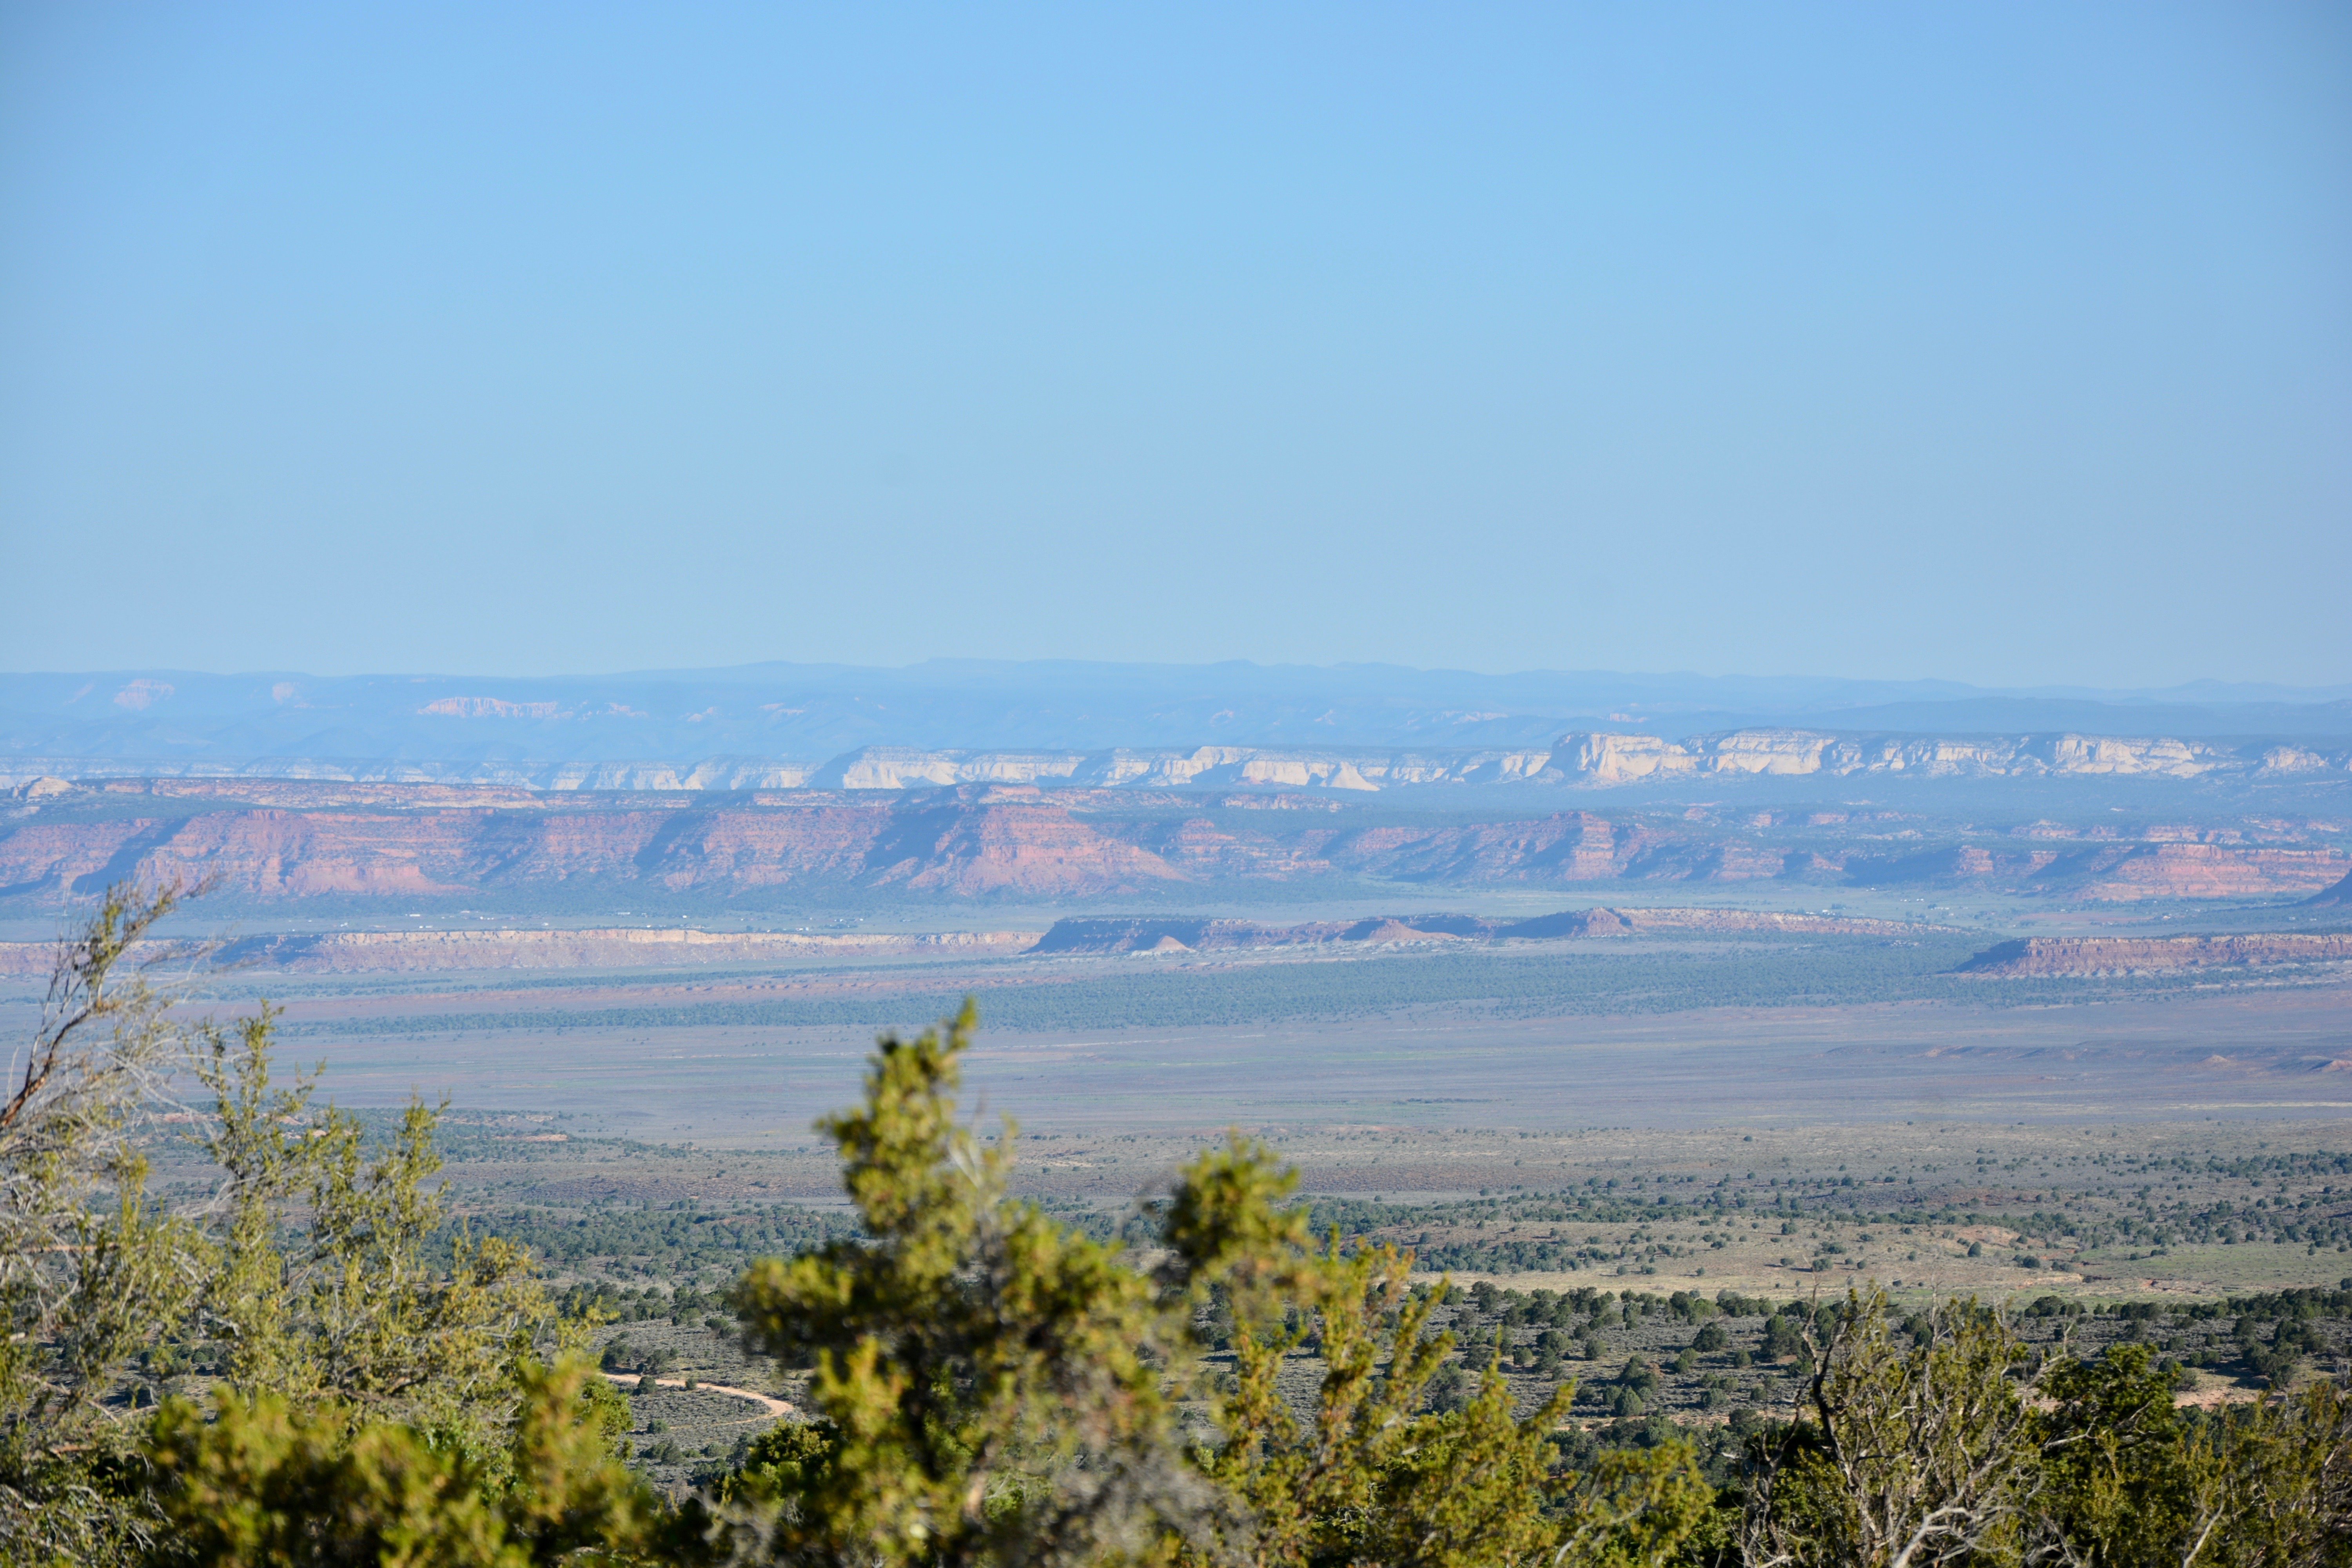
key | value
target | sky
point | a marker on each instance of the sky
(2007, 343)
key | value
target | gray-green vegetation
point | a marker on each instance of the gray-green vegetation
(330, 1362)
(303, 1299)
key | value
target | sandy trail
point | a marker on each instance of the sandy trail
(771, 1405)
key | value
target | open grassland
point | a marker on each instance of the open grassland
(1620, 1149)
(1033, 995)
(1542, 1037)
(1636, 1155)
(2256, 1052)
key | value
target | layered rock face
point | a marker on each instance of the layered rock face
(1005, 842)
(1023, 842)
(972, 843)
(1222, 767)
(1632, 759)
(1570, 846)
(1593, 758)
(1148, 934)
(2206, 871)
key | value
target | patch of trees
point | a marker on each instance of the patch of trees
(620, 1355)
(287, 1367)
(689, 1237)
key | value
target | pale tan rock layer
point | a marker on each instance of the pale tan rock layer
(1580, 757)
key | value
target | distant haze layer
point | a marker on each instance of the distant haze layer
(537, 732)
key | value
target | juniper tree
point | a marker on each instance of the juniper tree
(259, 1479)
(1945, 1439)
(92, 1270)
(993, 1388)
(351, 1329)
(995, 1385)
(349, 1303)
(1916, 1454)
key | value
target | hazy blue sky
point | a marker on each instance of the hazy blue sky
(2008, 343)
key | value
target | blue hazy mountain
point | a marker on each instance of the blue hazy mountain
(815, 711)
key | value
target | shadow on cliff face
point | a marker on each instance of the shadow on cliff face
(1010, 842)
(993, 840)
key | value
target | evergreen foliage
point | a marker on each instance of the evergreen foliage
(91, 1267)
(313, 1367)
(360, 1387)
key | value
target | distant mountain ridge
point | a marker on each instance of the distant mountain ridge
(165, 722)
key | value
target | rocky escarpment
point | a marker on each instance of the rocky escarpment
(1161, 933)
(868, 768)
(2336, 897)
(1579, 848)
(972, 843)
(2108, 873)
(1631, 921)
(1566, 846)
(447, 845)
(2111, 955)
(1617, 759)
(1151, 933)
(1588, 758)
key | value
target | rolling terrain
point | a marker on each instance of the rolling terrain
(1701, 990)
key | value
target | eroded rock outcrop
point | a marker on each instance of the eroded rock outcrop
(1022, 841)
(1618, 759)
(1007, 841)
(1595, 758)
(1159, 934)
(1567, 846)
(2339, 896)
(962, 843)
